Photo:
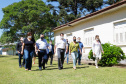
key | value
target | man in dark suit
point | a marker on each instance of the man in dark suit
(19, 48)
(51, 52)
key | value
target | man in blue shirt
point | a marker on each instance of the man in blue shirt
(81, 47)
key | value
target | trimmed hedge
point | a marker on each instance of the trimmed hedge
(112, 55)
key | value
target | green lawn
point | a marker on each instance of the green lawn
(10, 73)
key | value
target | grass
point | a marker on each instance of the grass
(10, 73)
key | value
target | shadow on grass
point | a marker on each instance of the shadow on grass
(67, 68)
(3, 56)
(62, 69)
(54, 64)
(16, 58)
(50, 66)
(56, 67)
(37, 70)
(83, 67)
(71, 63)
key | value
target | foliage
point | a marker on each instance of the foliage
(112, 55)
(110, 2)
(26, 15)
(93, 5)
(69, 10)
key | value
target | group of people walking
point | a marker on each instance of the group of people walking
(28, 48)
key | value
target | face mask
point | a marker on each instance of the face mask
(74, 40)
(97, 39)
(61, 37)
(21, 40)
(78, 40)
(29, 36)
(42, 38)
(50, 43)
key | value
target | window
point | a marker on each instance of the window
(89, 36)
(69, 37)
(120, 32)
(125, 36)
(117, 37)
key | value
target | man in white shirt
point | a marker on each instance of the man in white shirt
(60, 45)
(41, 47)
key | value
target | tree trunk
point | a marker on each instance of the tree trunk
(75, 7)
(33, 32)
(113, 1)
(50, 35)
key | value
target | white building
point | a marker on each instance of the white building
(0, 49)
(109, 23)
(7, 51)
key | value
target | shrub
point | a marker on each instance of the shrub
(112, 55)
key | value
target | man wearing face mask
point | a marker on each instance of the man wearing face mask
(51, 52)
(19, 48)
(41, 47)
(79, 54)
(60, 45)
(67, 54)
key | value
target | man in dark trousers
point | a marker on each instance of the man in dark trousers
(79, 54)
(51, 52)
(60, 45)
(19, 48)
(67, 54)
(41, 47)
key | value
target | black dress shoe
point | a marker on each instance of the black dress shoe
(43, 68)
(61, 67)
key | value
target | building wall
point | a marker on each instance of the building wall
(103, 26)
(8, 52)
(4, 53)
(0, 50)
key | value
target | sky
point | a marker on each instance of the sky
(4, 3)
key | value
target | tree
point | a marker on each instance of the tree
(26, 15)
(69, 10)
(110, 2)
(93, 5)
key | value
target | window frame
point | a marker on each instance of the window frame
(88, 39)
(118, 31)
